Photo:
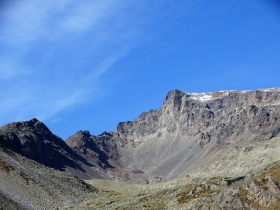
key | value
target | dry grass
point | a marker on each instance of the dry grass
(186, 196)
(129, 200)
(273, 206)
(198, 195)
(262, 182)
(243, 196)
(275, 172)
(174, 195)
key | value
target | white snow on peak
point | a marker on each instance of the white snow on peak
(201, 96)
(245, 91)
(207, 96)
(226, 91)
(269, 89)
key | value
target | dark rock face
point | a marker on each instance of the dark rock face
(186, 131)
(96, 149)
(26, 148)
(34, 140)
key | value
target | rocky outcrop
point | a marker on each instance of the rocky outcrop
(257, 192)
(263, 195)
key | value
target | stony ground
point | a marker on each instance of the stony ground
(26, 184)
(248, 178)
(239, 185)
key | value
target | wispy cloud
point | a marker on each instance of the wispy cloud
(54, 53)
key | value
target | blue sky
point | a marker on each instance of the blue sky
(89, 64)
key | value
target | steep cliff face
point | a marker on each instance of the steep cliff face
(189, 131)
(209, 116)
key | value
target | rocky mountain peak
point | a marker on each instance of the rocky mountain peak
(105, 133)
(173, 98)
(33, 125)
(95, 149)
(80, 139)
(84, 133)
(34, 140)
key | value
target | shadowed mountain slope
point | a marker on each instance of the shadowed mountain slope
(34, 140)
(98, 150)
(27, 184)
(33, 165)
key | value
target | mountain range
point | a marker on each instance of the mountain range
(214, 150)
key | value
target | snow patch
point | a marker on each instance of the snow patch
(226, 91)
(201, 96)
(269, 89)
(220, 94)
(244, 91)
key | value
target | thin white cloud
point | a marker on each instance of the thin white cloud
(86, 15)
(55, 120)
(29, 20)
(23, 101)
(45, 90)
(54, 53)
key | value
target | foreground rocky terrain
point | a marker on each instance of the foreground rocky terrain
(35, 141)
(215, 150)
(33, 169)
(26, 184)
(208, 188)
